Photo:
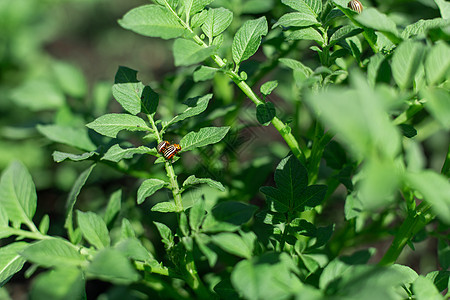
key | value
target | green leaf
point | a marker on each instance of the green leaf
(172, 3)
(127, 229)
(292, 192)
(62, 156)
(111, 124)
(297, 19)
(248, 38)
(184, 228)
(372, 18)
(72, 198)
(38, 95)
(358, 117)
(232, 243)
(3, 217)
(204, 73)
(59, 284)
(268, 87)
(165, 207)
(437, 63)
(440, 278)
(18, 195)
(205, 136)
(44, 224)
(435, 189)
(323, 236)
(376, 69)
(192, 180)
(343, 33)
(113, 207)
(187, 52)
(70, 79)
(94, 229)
(270, 276)
(127, 90)
(296, 65)
(265, 112)
(198, 19)
(202, 241)
(405, 62)
(54, 253)
(444, 8)
(193, 6)
(116, 153)
(197, 215)
(217, 20)
(149, 101)
(148, 188)
(133, 248)
(424, 289)
(196, 106)
(444, 255)
(308, 33)
(421, 27)
(11, 261)
(374, 282)
(166, 234)
(72, 136)
(408, 130)
(111, 265)
(153, 20)
(313, 7)
(228, 216)
(438, 104)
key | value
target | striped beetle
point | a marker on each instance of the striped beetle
(355, 5)
(162, 146)
(171, 151)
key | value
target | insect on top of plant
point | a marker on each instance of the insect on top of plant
(162, 146)
(355, 5)
(171, 150)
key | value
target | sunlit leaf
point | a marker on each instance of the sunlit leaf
(153, 20)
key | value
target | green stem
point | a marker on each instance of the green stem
(35, 235)
(413, 223)
(408, 114)
(285, 232)
(283, 129)
(141, 266)
(194, 280)
(175, 188)
(169, 171)
(192, 277)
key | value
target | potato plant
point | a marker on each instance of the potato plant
(286, 157)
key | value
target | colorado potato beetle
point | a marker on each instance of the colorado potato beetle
(171, 151)
(355, 5)
(162, 146)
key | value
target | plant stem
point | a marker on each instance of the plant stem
(194, 280)
(283, 129)
(169, 171)
(36, 235)
(413, 223)
(141, 266)
(175, 188)
(408, 114)
(285, 232)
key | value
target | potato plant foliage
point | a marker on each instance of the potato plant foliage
(316, 188)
